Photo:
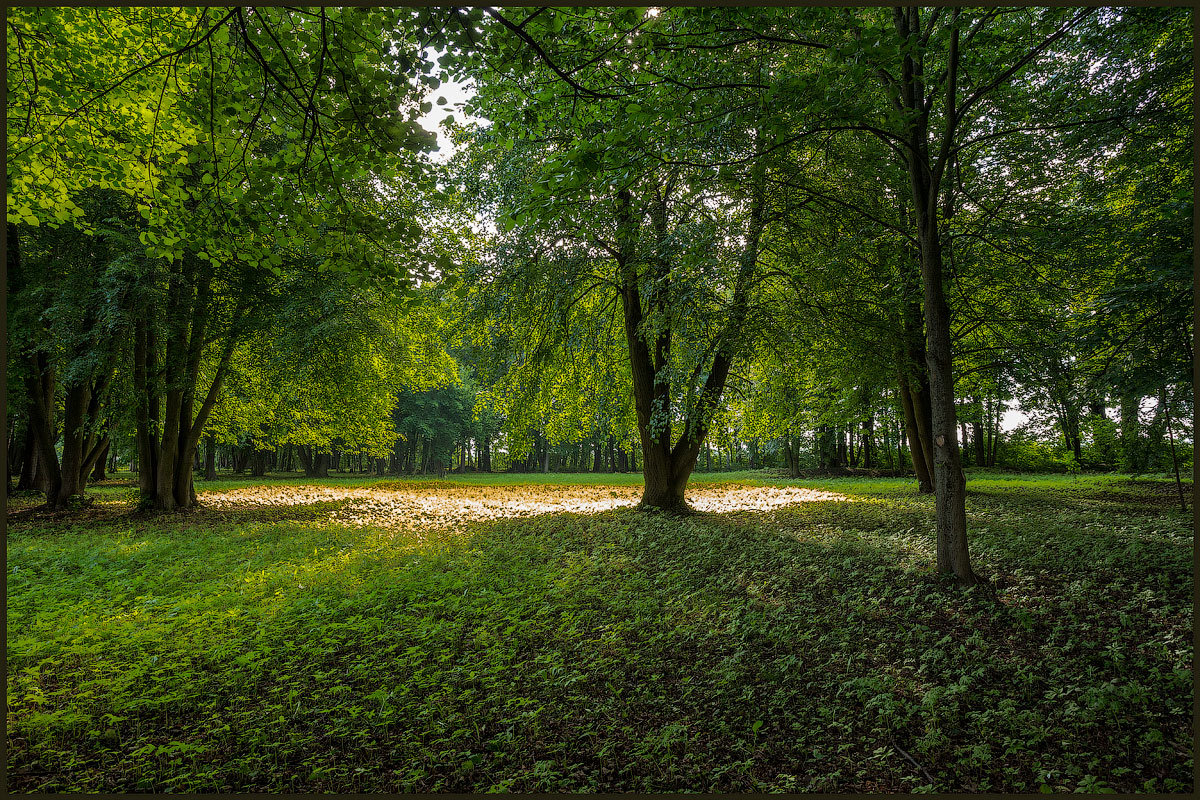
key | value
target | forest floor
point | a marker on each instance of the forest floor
(538, 634)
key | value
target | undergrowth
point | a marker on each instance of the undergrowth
(806, 648)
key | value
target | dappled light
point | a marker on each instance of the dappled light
(410, 506)
(326, 636)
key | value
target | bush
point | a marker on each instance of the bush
(1102, 445)
(1021, 450)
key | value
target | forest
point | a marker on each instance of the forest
(599, 399)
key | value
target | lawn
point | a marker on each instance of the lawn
(538, 634)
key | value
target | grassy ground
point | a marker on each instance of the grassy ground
(286, 639)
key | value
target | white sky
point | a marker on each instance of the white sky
(456, 94)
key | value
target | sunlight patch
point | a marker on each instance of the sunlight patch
(411, 508)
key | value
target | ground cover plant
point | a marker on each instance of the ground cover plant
(801, 643)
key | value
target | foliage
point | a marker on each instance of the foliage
(267, 648)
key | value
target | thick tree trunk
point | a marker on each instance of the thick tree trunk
(666, 467)
(39, 387)
(665, 489)
(16, 453)
(167, 461)
(316, 465)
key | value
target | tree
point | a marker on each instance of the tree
(676, 248)
(238, 152)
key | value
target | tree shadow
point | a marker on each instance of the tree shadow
(608, 651)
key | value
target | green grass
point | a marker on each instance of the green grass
(807, 648)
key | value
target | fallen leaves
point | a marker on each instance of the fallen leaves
(404, 507)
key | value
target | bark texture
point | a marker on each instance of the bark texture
(924, 180)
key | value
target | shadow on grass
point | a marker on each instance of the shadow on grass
(792, 649)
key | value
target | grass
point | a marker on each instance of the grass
(807, 647)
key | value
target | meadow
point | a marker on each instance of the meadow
(537, 633)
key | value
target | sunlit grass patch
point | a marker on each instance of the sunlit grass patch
(415, 506)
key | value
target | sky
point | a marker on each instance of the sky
(456, 95)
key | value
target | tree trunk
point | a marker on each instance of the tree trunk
(872, 446)
(29, 458)
(916, 449)
(210, 458)
(241, 458)
(145, 402)
(1130, 407)
(39, 383)
(316, 465)
(1154, 436)
(99, 470)
(16, 452)
(925, 177)
(977, 434)
(72, 474)
(949, 481)
(1174, 456)
(39, 386)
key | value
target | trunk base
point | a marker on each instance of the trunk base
(665, 503)
(968, 580)
(74, 502)
(151, 505)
